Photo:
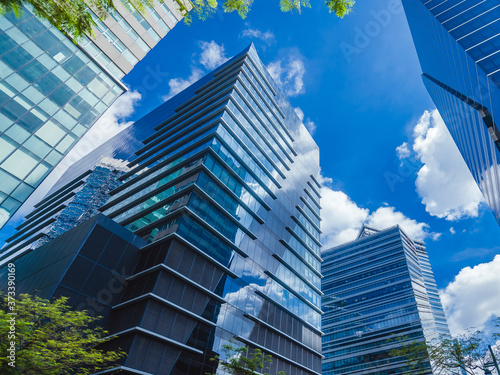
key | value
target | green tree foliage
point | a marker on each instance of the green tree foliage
(205, 8)
(467, 353)
(241, 6)
(73, 17)
(50, 339)
(239, 362)
(340, 7)
(291, 5)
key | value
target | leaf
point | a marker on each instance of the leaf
(241, 6)
(53, 339)
(340, 7)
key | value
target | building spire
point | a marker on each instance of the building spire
(366, 231)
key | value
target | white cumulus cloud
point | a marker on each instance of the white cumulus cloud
(473, 297)
(385, 217)
(300, 113)
(444, 183)
(343, 218)
(113, 121)
(212, 55)
(266, 36)
(309, 124)
(289, 75)
(403, 151)
(178, 84)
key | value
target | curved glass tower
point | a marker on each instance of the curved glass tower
(458, 45)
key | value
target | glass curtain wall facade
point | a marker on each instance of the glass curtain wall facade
(225, 194)
(121, 147)
(52, 91)
(76, 202)
(377, 287)
(458, 45)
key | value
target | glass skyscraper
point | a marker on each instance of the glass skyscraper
(377, 288)
(458, 45)
(52, 91)
(223, 201)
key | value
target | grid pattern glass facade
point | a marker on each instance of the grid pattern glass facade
(458, 44)
(52, 91)
(377, 287)
(207, 180)
(50, 94)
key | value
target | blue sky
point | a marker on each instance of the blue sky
(357, 82)
(384, 159)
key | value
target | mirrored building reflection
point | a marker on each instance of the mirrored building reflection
(52, 90)
(76, 202)
(458, 45)
(222, 199)
(379, 289)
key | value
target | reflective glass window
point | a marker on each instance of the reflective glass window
(32, 93)
(6, 42)
(36, 146)
(8, 184)
(48, 83)
(17, 57)
(31, 26)
(60, 52)
(46, 40)
(38, 174)
(6, 147)
(22, 192)
(19, 164)
(50, 133)
(18, 133)
(66, 143)
(62, 94)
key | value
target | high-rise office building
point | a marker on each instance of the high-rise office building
(377, 288)
(458, 45)
(52, 91)
(223, 203)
